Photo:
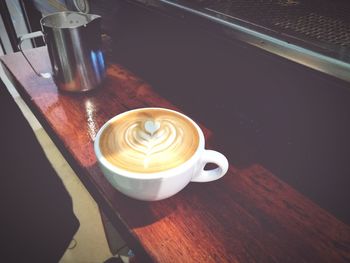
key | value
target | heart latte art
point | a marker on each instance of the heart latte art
(149, 141)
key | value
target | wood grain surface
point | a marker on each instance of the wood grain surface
(247, 216)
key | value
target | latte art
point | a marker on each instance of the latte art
(149, 140)
(149, 143)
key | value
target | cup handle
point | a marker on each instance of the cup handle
(215, 157)
(24, 37)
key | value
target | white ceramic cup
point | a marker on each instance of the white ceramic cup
(161, 185)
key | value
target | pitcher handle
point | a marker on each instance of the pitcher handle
(36, 34)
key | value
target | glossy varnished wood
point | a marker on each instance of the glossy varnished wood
(247, 216)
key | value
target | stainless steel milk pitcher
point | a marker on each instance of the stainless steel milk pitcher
(74, 44)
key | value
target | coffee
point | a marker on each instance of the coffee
(153, 153)
(149, 140)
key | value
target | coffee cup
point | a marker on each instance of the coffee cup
(153, 153)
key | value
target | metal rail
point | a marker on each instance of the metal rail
(282, 48)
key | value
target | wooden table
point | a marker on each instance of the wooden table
(247, 216)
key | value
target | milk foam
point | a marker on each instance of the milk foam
(149, 141)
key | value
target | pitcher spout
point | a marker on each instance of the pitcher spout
(92, 17)
(68, 20)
